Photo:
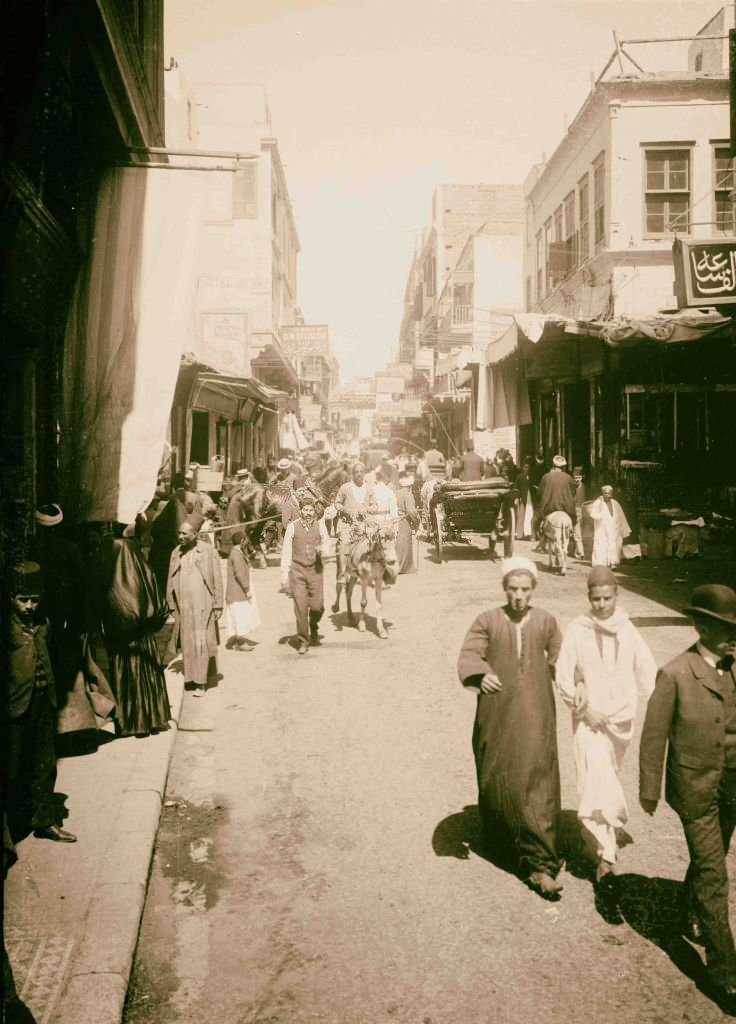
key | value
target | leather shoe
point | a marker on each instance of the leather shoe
(56, 833)
(547, 887)
(302, 647)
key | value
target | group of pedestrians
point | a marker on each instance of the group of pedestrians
(514, 656)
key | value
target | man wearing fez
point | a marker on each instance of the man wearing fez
(691, 717)
(507, 658)
(30, 727)
(306, 543)
(194, 595)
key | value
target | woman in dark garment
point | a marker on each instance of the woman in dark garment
(133, 612)
(507, 658)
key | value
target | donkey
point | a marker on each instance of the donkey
(372, 563)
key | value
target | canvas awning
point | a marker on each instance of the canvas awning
(128, 325)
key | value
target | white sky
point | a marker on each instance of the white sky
(375, 102)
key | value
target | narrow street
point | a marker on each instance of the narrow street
(318, 855)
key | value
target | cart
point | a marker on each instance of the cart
(459, 510)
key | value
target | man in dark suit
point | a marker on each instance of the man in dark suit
(693, 712)
(472, 463)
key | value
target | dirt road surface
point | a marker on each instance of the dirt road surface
(319, 855)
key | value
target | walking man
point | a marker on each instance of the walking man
(604, 664)
(507, 658)
(557, 511)
(194, 594)
(610, 529)
(306, 543)
(692, 718)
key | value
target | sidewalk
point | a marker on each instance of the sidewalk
(72, 913)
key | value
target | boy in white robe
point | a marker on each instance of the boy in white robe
(610, 529)
(604, 664)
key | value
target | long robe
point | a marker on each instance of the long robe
(515, 733)
(611, 658)
(194, 592)
(408, 522)
(610, 529)
(133, 611)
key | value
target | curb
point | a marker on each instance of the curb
(97, 983)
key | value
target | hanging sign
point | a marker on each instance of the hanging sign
(705, 272)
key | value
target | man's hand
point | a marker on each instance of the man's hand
(580, 700)
(490, 683)
(594, 719)
(248, 595)
(218, 613)
(284, 588)
(648, 806)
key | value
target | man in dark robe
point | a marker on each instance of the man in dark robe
(507, 658)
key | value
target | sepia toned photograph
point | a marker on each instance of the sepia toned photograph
(393, 344)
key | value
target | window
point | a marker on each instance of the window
(725, 182)
(667, 191)
(599, 200)
(583, 220)
(547, 247)
(571, 242)
(245, 191)
(540, 266)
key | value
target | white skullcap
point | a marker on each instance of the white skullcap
(49, 515)
(559, 460)
(519, 564)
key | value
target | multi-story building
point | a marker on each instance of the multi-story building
(308, 348)
(646, 161)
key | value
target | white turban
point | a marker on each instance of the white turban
(518, 564)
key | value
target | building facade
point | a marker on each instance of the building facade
(646, 161)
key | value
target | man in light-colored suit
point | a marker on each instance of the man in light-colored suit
(692, 712)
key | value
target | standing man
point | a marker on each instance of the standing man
(306, 544)
(351, 502)
(507, 658)
(472, 464)
(536, 472)
(557, 511)
(610, 529)
(194, 595)
(30, 727)
(604, 665)
(435, 460)
(692, 717)
(580, 496)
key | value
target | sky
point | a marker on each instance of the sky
(376, 102)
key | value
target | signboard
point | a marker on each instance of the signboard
(306, 339)
(705, 272)
(224, 343)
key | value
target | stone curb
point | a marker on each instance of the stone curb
(97, 985)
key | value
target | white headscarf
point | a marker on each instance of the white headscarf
(519, 564)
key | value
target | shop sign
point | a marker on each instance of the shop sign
(705, 272)
(224, 343)
(306, 339)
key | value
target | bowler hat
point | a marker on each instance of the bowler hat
(714, 600)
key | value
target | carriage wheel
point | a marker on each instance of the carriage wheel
(438, 543)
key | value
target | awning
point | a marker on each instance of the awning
(667, 328)
(241, 387)
(125, 334)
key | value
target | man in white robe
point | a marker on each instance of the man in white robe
(604, 665)
(610, 528)
(382, 505)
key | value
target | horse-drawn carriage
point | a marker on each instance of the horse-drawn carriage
(459, 509)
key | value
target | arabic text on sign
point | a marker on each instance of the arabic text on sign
(714, 270)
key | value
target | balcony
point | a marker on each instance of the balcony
(462, 316)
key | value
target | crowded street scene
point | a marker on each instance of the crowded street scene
(368, 512)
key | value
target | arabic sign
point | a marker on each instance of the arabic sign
(306, 339)
(705, 272)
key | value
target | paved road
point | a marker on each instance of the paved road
(318, 856)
